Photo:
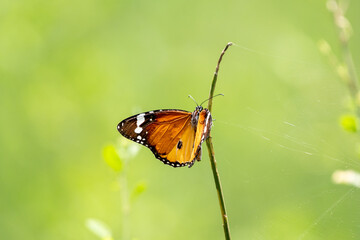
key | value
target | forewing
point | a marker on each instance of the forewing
(161, 131)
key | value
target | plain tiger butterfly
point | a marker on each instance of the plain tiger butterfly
(174, 136)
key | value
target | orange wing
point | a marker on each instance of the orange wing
(191, 141)
(170, 134)
(179, 154)
(161, 131)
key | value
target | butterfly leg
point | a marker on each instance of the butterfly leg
(198, 156)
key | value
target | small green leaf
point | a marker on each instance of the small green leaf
(349, 123)
(112, 158)
(343, 72)
(99, 228)
(324, 47)
(139, 188)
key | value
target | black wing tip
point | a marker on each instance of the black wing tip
(119, 126)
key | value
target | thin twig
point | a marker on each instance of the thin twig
(126, 224)
(344, 30)
(353, 79)
(212, 153)
(213, 84)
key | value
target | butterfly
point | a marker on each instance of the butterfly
(174, 136)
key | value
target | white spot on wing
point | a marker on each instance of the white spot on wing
(140, 119)
(139, 137)
(138, 130)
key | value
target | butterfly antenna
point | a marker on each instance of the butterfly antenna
(193, 100)
(220, 94)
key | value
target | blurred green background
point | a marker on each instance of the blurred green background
(71, 70)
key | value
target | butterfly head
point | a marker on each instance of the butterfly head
(195, 116)
(199, 108)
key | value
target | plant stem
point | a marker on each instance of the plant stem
(212, 153)
(218, 188)
(213, 84)
(344, 31)
(125, 204)
(353, 79)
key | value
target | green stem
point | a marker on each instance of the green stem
(353, 79)
(213, 84)
(344, 37)
(212, 154)
(125, 204)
